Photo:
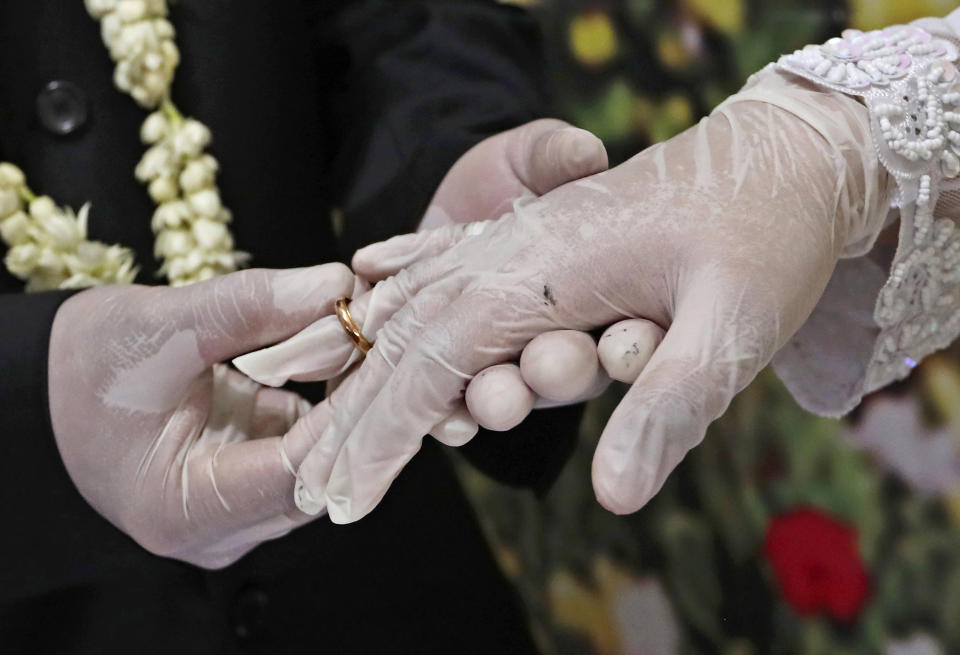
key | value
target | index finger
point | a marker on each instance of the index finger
(427, 383)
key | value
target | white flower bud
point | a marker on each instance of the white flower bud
(210, 235)
(99, 8)
(143, 97)
(59, 231)
(143, 38)
(197, 175)
(41, 280)
(205, 273)
(51, 261)
(129, 43)
(9, 202)
(88, 256)
(191, 138)
(170, 215)
(110, 28)
(121, 76)
(206, 202)
(209, 161)
(80, 281)
(171, 55)
(14, 229)
(42, 207)
(163, 189)
(154, 128)
(179, 268)
(156, 84)
(153, 61)
(229, 261)
(174, 243)
(96, 263)
(22, 259)
(131, 11)
(10, 175)
(162, 27)
(157, 161)
(193, 261)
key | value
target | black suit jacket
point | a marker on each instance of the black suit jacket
(313, 105)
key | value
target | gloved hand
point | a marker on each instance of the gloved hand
(483, 184)
(725, 235)
(191, 459)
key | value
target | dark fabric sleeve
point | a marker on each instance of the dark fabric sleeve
(30, 468)
(425, 82)
(50, 535)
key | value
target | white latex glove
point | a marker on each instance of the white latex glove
(191, 459)
(483, 184)
(726, 235)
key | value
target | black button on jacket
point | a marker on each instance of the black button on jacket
(313, 105)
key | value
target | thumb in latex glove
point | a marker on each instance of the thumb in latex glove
(726, 235)
(191, 459)
(483, 184)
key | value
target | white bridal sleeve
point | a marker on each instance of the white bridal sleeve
(882, 314)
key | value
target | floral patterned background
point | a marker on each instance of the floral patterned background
(783, 532)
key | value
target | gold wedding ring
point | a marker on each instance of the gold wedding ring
(356, 336)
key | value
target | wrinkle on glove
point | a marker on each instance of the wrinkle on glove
(726, 234)
(188, 457)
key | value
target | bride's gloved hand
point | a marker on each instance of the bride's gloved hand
(725, 235)
(191, 459)
(483, 184)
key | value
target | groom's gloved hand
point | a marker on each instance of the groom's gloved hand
(191, 459)
(726, 235)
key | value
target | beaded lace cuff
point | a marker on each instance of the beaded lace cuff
(908, 81)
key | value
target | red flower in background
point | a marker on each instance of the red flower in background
(817, 563)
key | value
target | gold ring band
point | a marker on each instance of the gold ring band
(346, 320)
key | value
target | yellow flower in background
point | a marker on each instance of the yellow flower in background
(941, 386)
(593, 38)
(617, 611)
(724, 15)
(672, 51)
(679, 109)
(581, 610)
(875, 14)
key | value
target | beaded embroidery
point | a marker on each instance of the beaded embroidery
(911, 88)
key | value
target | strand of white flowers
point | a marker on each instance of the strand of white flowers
(140, 40)
(190, 223)
(48, 246)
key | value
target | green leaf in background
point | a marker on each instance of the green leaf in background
(611, 115)
(691, 572)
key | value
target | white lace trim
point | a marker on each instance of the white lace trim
(911, 88)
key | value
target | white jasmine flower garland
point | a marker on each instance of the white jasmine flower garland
(190, 222)
(48, 246)
(140, 40)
